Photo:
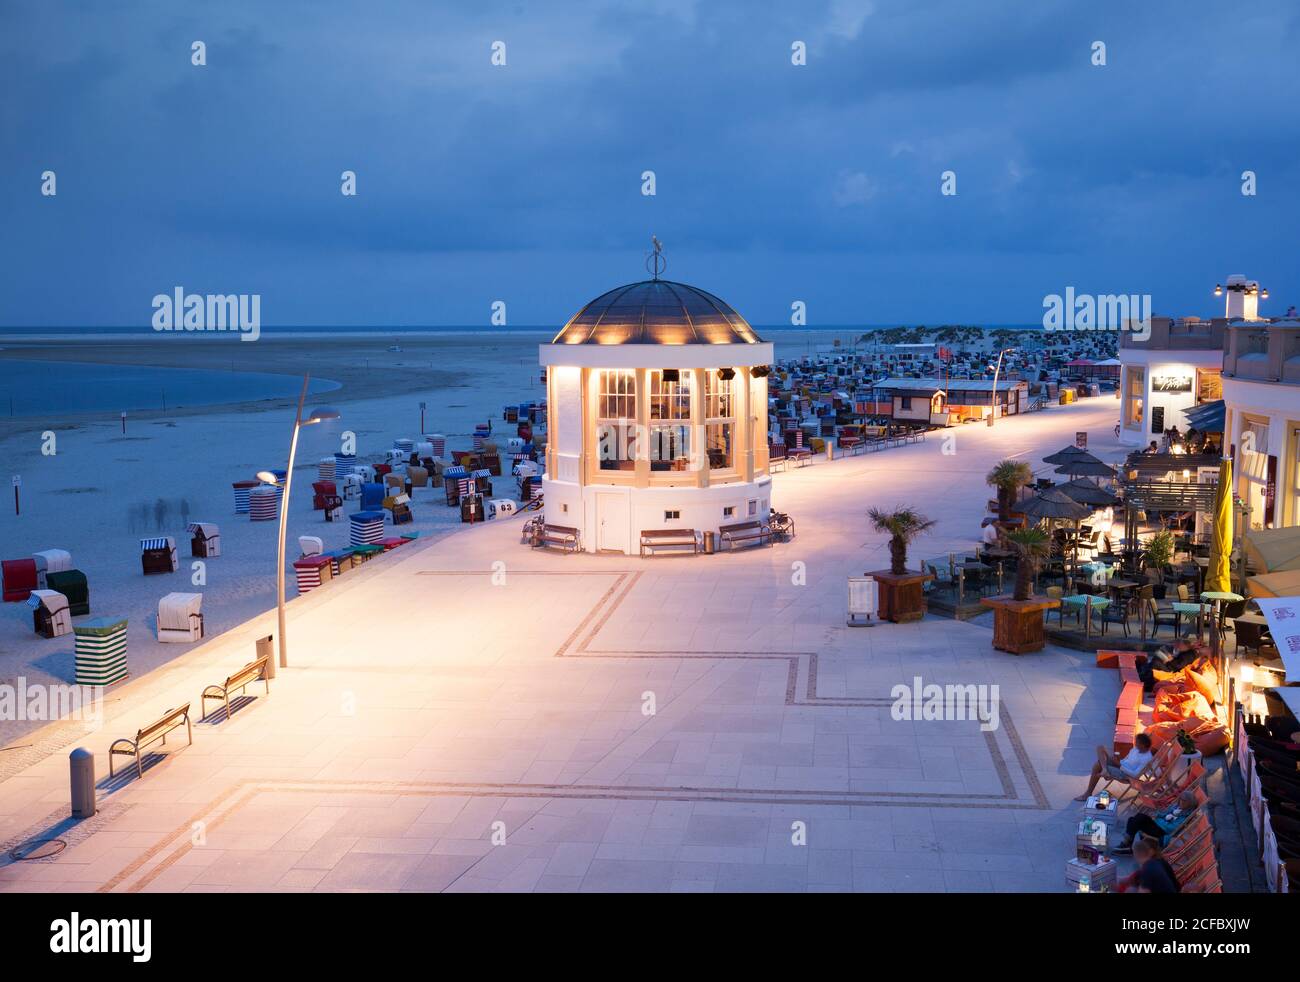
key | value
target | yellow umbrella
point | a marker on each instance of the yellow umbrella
(1218, 578)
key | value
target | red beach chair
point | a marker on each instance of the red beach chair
(19, 579)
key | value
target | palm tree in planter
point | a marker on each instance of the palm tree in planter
(1030, 545)
(1159, 553)
(1008, 476)
(1018, 619)
(901, 595)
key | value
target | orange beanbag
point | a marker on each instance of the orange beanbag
(1171, 705)
(1205, 682)
(1210, 738)
(1163, 732)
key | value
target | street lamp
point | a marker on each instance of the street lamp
(993, 395)
(318, 415)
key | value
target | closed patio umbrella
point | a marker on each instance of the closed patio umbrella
(1218, 578)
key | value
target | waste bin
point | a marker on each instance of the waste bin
(709, 540)
(266, 650)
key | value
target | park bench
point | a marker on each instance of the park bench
(254, 671)
(149, 735)
(745, 532)
(776, 457)
(653, 539)
(563, 537)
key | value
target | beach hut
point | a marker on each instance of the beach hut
(367, 528)
(205, 541)
(180, 618)
(19, 576)
(100, 651)
(325, 470)
(310, 545)
(263, 504)
(72, 584)
(158, 555)
(50, 614)
(51, 561)
(242, 491)
(312, 571)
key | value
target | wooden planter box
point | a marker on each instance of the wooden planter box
(901, 597)
(1018, 624)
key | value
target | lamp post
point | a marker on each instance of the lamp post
(993, 395)
(318, 415)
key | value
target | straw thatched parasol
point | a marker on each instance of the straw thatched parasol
(1065, 455)
(1086, 466)
(1087, 492)
(1052, 504)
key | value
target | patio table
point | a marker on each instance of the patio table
(1087, 603)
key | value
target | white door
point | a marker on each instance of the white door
(611, 522)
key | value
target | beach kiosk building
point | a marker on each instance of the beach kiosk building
(657, 402)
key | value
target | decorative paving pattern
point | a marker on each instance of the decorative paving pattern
(1020, 787)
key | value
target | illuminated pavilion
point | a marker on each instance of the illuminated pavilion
(657, 418)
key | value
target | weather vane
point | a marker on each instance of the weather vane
(655, 263)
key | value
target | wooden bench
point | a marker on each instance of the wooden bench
(776, 457)
(653, 539)
(149, 735)
(562, 537)
(800, 455)
(744, 532)
(254, 671)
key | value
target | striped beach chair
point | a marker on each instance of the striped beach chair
(100, 650)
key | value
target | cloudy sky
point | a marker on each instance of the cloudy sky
(522, 182)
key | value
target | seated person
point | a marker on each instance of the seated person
(1110, 765)
(1160, 826)
(1154, 874)
(1152, 447)
(991, 535)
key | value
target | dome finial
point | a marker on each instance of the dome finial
(655, 263)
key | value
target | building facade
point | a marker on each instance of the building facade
(1176, 367)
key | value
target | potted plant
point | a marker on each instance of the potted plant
(1008, 476)
(1158, 554)
(1018, 619)
(901, 595)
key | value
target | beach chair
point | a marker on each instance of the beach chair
(206, 539)
(51, 617)
(158, 555)
(1163, 792)
(322, 490)
(50, 561)
(19, 576)
(352, 487)
(72, 584)
(311, 571)
(180, 618)
(310, 545)
(372, 497)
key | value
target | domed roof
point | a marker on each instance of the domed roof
(657, 312)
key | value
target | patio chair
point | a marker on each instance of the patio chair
(1118, 612)
(1164, 791)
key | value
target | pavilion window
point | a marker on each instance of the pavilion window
(670, 419)
(616, 420)
(720, 420)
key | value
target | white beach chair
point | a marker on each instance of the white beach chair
(180, 617)
(311, 545)
(51, 561)
(51, 616)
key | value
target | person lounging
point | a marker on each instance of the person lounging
(1160, 826)
(1112, 766)
(1154, 874)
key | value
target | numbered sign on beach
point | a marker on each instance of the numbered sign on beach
(1081, 439)
(18, 481)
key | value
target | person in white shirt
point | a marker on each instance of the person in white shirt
(991, 534)
(1112, 766)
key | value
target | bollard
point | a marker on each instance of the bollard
(81, 771)
(265, 650)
